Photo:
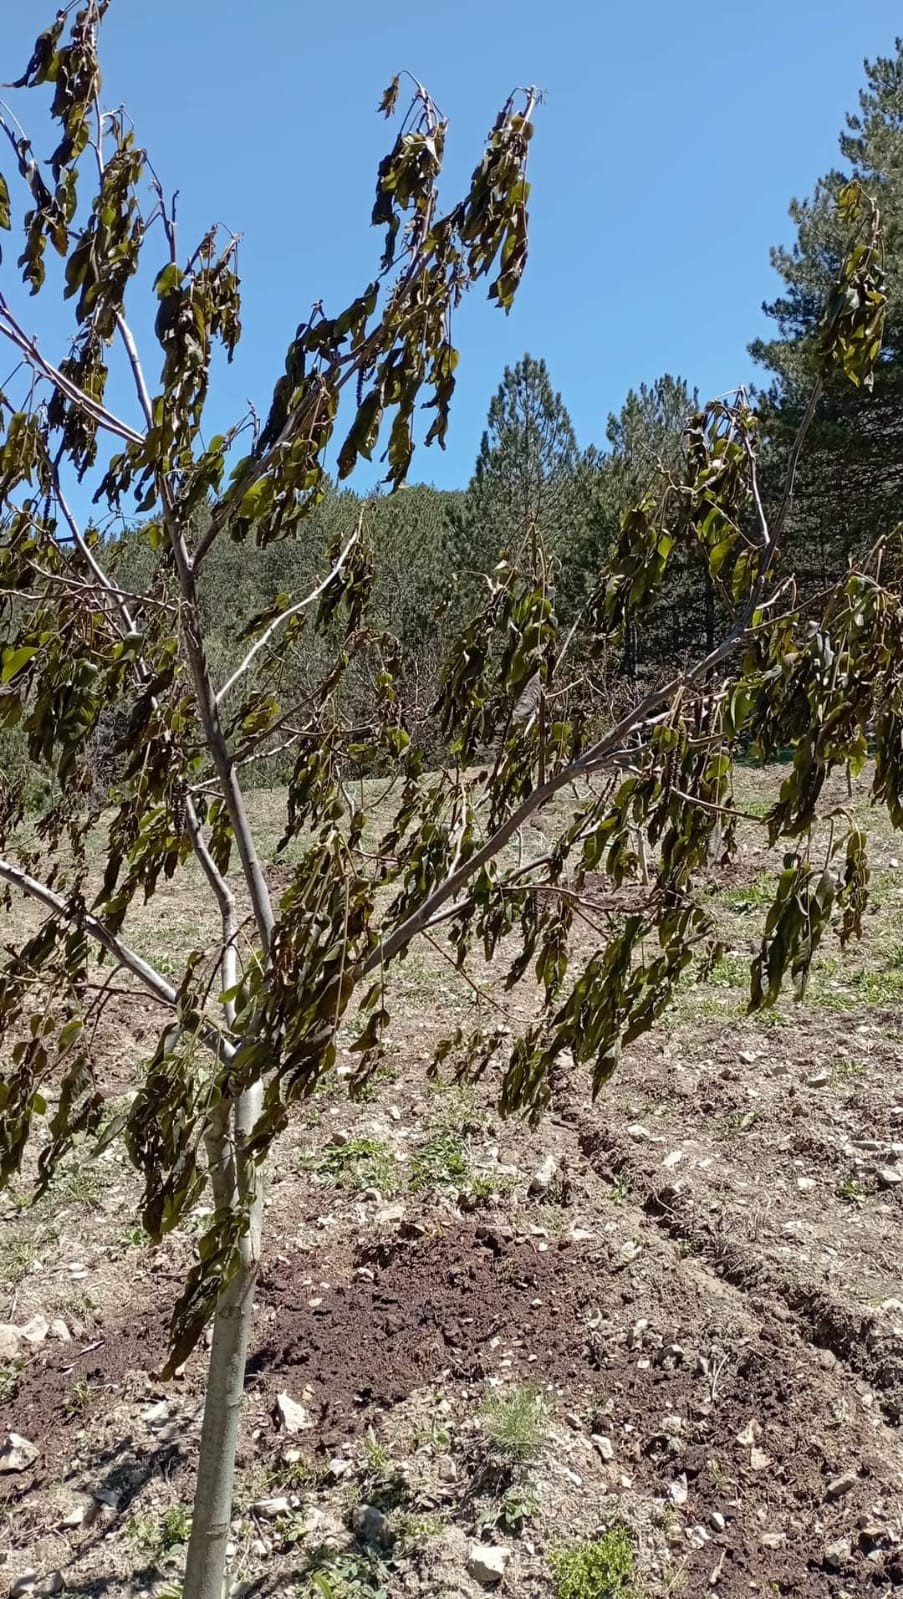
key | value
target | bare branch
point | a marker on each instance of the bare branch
(11, 330)
(286, 615)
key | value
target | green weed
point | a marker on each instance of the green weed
(515, 1425)
(601, 1568)
(443, 1161)
(360, 1163)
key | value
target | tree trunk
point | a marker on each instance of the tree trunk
(233, 1180)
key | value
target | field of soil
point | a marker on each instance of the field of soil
(676, 1312)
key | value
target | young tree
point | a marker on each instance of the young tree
(75, 643)
(250, 1028)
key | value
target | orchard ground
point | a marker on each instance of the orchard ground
(676, 1312)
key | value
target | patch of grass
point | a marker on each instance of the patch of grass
(360, 1163)
(732, 971)
(16, 1256)
(515, 1425)
(884, 987)
(152, 1536)
(377, 1457)
(443, 1161)
(344, 1576)
(600, 1568)
(848, 1071)
(750, 896)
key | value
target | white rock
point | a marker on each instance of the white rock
(59, 1331)
(17, 1453)
(36, 1329)
(805, 1184)
(155, 1415)
(292, 1416)
(890, 1176)
(678, 1491)
(642, 1135)
(544, 1175)
(280, 1505)
(487, 1563)
(819, 1079)
(672, 1160)
(717, 1521)
(603, 1446)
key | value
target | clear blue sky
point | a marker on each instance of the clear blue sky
(671, 139)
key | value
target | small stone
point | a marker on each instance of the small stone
(292, 1416)
(487, 1563)
(371, 1196)
(717, 1521)
(673, 1159)
(17, 1453)
(280, 1505)
(389, 1214)
(889, 1176)
(339, 1467)
(678, 1491)
(59, 1331)
(837, 1553)
(544, 1176)
(370, 1525)
(758, 1459)
(603, 1446)
(818, 1079)
(749, 1434)
(805, 1184)
(155, 1415)
(35, 1330)
(839, 1486)
(448, 1471)
(642, 1135)
(773, 1540)
(29, 1583)
(80, 1512)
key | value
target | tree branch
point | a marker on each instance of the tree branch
(11, 330)
(286, 615)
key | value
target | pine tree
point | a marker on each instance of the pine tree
(848, 487)
(527, 471)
